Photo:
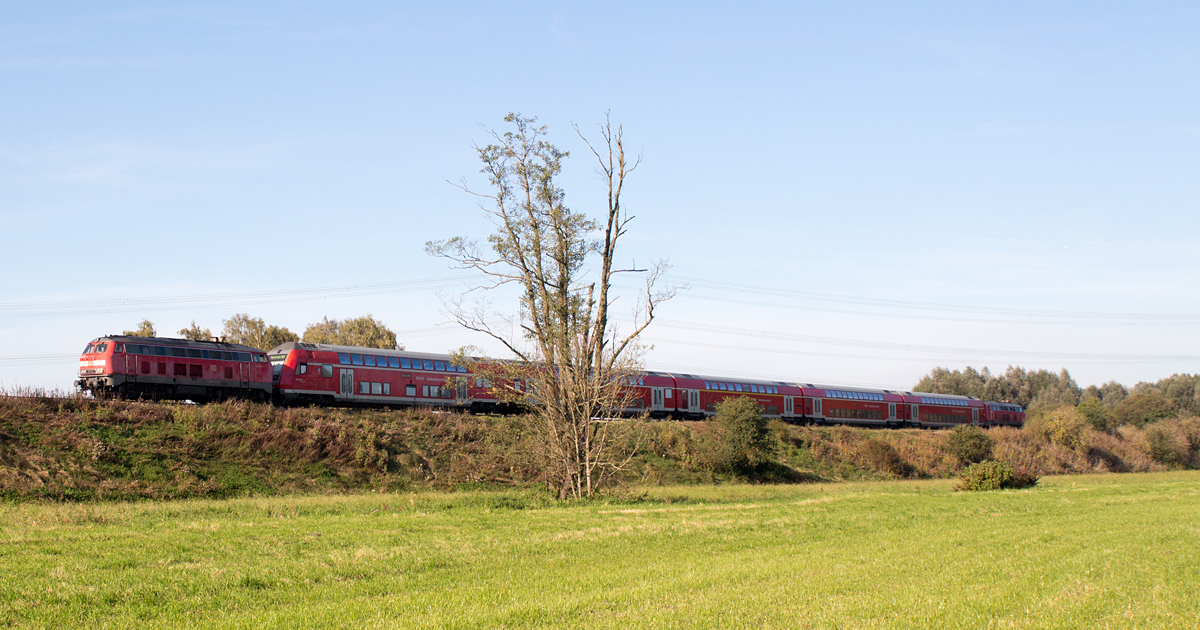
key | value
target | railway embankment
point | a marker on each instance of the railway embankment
(70, 448)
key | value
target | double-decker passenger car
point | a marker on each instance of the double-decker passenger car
(173, 369)
(308, 373)
(1003, 414)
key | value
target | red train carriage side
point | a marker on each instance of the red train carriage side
(306, 373)
(943, 410)
(173, 369)
(708, 391)
(871, 407)
(1004, 414)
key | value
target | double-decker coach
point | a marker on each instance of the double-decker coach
(308, 373)
(943, 410)
(173, 369)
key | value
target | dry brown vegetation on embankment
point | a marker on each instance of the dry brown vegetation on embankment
(72, 448)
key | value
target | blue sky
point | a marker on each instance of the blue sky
(854, 193)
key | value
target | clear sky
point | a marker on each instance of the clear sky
(854, 193)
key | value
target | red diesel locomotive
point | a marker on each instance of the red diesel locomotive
(173, 369)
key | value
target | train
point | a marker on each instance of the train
(297, 373)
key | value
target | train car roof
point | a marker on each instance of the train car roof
(178, 343)
(328, 347)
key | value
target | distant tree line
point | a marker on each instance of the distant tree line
(1105, 407)
(365, 331)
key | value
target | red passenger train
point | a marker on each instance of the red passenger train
(173, 369)
(319, 374)
(324, 374)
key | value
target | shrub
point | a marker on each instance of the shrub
(1162, 446)
(881, 457)
(992, 475)
(1143, 408)
(1097, 415)
(743, 437)
(1064, 426)
(969, 444)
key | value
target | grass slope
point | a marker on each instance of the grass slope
(1074, 552)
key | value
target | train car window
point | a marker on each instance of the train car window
(204, 354)
(427, 363)
(405, 364)
(410, 390)
(387, 389)
(462, 369)
(343, 358)
(364, 387)
(160, 351)
(118, 348)
(368, 360)
(356, 359)
(424, 391)
(302, 368)
(737, 387)
(381, 361)
(194, 353)
(260, 358)
(244, 357)
(393, 362)
(439, 366)
(178, 352)
(88, 349)
(101, 348)
(327, 371)
(377, 388)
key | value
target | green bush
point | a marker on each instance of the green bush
(1064, 426)
(743, 437)
(1162, 446)
(881, 457)
(1097, 415)
(969, 444)
(992, 475)
(1140, 409)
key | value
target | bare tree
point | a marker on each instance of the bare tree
(571, 365)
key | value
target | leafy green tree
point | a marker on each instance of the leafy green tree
(363, 331)
(144, 329)
(1063, 426)
(1144, 407)
(254, 332)
(1101, 418)
(965, 383)
(196, 333)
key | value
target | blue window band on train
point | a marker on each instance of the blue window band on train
(343, 358)
(953, 402)
(834, 393)
(405, 364)
(356, 359)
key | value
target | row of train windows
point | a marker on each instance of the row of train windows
(385, 389)
(859, 414)
(833, 393)
(953, 402)
(98, 348)
(942, 417)
(192, 370)
(738, 387)
(367, 360)
(1012, 408)
(326, 370)
(191, 353)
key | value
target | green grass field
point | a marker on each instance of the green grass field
(1120, 551)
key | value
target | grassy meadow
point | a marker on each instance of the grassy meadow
(1084, 551)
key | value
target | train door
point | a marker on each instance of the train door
(460, 390)
(787, 405)
(913, 415)
(656, 399)
(817, 407)
(891, 412)
(974, 416)
(347, 383)
(131, 368)
(244, 374)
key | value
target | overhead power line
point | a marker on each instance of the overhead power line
(910, 305)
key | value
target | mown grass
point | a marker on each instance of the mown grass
(1074, 552)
